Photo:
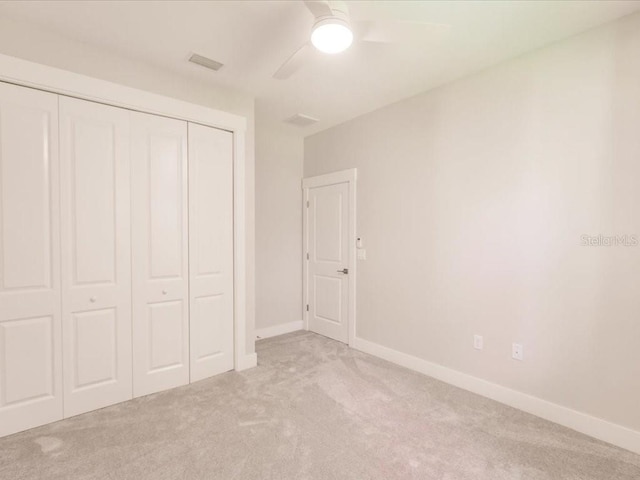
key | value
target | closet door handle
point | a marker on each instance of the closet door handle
(344, 270)
(92, 299)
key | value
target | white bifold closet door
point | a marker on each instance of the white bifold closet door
(160, 253)
(211, 250)
(96, 254)
(30, 322)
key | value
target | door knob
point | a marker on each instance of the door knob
(92, 299)
(164, 292)
(344, 270)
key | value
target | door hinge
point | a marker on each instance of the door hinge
(307, 203)
(307, 255)
(307, 307)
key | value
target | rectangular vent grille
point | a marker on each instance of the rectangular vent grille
(301, 120)
(205, 62)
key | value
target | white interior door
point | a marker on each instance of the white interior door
(160, 254)
(329, 260)
(96, 258)
(210, 250)
(30, 324)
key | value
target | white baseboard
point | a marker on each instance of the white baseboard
(279, 329)
(594, 427)
(247, 361)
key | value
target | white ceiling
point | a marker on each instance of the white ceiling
(252, 39)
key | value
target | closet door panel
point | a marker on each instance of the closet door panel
(30, 312)
(211, 250)
(160, 254)
(92, 184)
(96, 260)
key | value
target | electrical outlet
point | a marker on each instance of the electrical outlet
(478, 342)
(517, 351)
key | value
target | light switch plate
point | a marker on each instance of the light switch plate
(478, 342)
(362, 254)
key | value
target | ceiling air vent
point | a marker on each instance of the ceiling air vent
(301, 120)
(205, 62)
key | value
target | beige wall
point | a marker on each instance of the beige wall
(279, 156)
(24, 40)
(472, 200)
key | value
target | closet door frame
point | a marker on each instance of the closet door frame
(50, 79)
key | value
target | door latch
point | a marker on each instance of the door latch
(344, 270)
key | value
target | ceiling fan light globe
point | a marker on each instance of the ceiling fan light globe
(331, 35)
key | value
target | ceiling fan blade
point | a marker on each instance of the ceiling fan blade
(319, 8)
(399, 31)
(294, 62)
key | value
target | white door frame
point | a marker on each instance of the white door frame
(344, 176)
(42, 77)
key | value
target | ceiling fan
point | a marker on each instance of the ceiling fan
(333, 31)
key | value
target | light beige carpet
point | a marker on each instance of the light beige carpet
(312, 409)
